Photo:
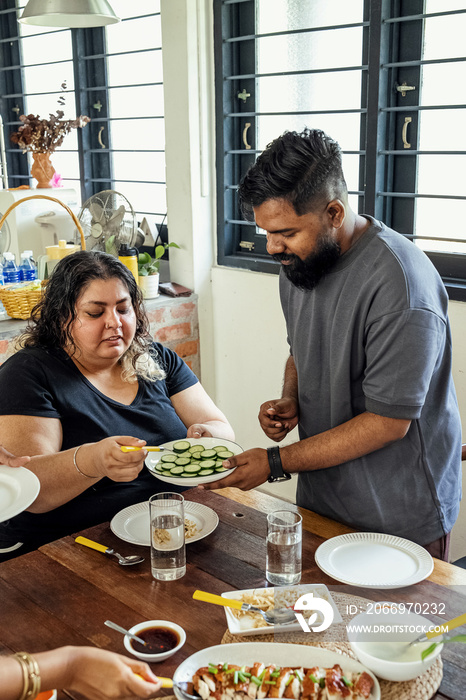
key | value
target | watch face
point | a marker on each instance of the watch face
(273, 479)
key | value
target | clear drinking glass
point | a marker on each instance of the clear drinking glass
(284, 546)
(167, 547)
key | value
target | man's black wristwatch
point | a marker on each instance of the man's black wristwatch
(275, 464)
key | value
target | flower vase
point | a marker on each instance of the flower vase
(42, 169)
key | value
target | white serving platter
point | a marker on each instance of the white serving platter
(243, 626)
(153, 458)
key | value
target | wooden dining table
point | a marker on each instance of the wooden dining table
(62, 593)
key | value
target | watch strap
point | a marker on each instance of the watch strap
(275, 465)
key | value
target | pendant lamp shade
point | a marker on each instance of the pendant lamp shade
(68, 13)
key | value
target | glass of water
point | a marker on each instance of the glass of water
(167, 548)
(284, 547)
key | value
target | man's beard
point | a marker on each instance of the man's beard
(306, 274)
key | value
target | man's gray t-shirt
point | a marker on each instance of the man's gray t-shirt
(374, 336)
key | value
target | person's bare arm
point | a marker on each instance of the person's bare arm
(359, 436)
(41, 438)
(95, 673)
(200, 415)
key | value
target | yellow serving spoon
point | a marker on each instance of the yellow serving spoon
(280, 616)
(441, 628)
(149, 448)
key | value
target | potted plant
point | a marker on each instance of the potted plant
(148, 270)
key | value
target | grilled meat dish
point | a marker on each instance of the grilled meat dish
(259, 681)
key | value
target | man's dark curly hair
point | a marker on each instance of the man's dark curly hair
(52, 318)
(303, 168)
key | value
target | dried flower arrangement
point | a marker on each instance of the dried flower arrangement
(45, 135)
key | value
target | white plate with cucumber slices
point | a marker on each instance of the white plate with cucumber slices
(192, 462)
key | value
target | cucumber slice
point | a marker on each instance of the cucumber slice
(182, 461)
(208, 454)
(192, 468)
(220, 469)
(188, 474)
(196, 448)
(220, 448)
(208, 464)
(181, 446)
(206, 472)
(218, 464)
(176, 471)
(165, 466)
(196, 455)
(225, 455)
(168, 458)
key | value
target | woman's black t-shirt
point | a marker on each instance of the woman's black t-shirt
(46, 383)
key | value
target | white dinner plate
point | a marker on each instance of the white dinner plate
(154, 457)
(19, 488)
(132, 523)
(243, 625)
(374, 560)
(247, 653)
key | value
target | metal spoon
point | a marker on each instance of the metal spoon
(280, 616)
(124, 561)
(170, 683)
(117, 628)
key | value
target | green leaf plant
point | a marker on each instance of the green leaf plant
(148, 265)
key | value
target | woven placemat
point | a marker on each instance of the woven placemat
(333, 639)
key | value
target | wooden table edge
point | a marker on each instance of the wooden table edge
(444, 574)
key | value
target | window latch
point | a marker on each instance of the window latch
(404, 88)
(244, 95)
(247, 245)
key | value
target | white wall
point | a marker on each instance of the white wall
(243, 342)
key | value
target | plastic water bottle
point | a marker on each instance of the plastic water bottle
(27, 268)
(11, 273)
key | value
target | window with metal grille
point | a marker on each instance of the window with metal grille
(385, 78)
(112, 74)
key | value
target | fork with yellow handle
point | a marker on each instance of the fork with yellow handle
(149, 448)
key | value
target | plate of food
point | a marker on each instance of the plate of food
(132, 523)
(192, 462)
(249, 623)
(250, 669)
(19, 488)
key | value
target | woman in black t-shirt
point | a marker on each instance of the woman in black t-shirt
(88, 380)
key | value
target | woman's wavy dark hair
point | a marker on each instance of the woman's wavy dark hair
(303, 168)
(52, 318)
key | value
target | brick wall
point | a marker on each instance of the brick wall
(173, 322)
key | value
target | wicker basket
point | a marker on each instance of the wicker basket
(20, 301)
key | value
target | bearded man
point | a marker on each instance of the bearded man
(368, 380)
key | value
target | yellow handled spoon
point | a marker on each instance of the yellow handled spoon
(149, 448)
(123, 561)
(444, 627)
(280, 616)
(170, 683)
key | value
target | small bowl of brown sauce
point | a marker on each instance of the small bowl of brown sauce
(162, 639)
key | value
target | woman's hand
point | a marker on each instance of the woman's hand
(103, 675)
(105, 458)
(198, 430)
(10, 460)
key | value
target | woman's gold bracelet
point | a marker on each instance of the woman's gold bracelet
(76, 465)
(31, 675)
